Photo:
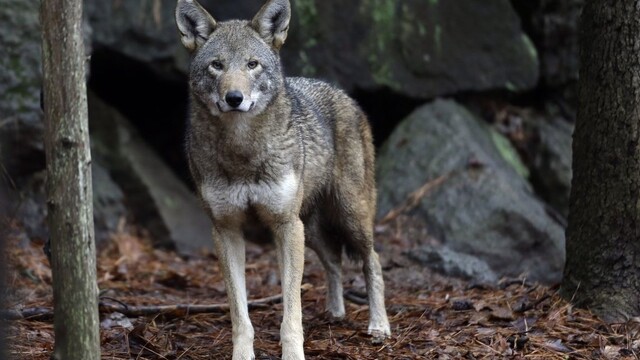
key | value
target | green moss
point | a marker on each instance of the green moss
(508, 153)
(307, 15)
(422, 30)
(383, 14)
(531, 48)
(383, 75)
(21, 91)
(308, 69)
(307, 10)
(438, 39)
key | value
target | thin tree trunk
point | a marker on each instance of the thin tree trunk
(603, 237)
(4, 230)
(69, 192)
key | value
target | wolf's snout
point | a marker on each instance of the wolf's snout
(234, 98)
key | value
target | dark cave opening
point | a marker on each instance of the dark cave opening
(155, 103)
(385, 109)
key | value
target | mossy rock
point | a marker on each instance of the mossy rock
(418, 48)
(484, 207)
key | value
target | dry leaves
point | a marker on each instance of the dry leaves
(431, 317)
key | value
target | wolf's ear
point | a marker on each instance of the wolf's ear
(194, 23)
(272, 22)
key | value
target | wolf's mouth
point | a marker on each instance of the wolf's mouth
(227, 109)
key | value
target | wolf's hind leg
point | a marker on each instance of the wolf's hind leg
(332, 261)
(358, 220)
(330, 253)
(378, 323)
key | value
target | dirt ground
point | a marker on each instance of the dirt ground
(431, 317)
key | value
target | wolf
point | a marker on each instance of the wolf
(294, 154)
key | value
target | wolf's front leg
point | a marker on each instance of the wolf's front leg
(230, 249)
(289, 238)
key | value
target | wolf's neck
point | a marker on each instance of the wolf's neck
(243, 143)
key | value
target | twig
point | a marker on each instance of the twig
(5, 121)
(356, 297)
(414, 198)
(177, 310)
(529, 306)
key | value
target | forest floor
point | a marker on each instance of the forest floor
(431, 317)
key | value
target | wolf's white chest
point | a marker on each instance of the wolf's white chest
(225, 199)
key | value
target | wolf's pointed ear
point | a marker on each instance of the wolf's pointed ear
(272, 22)
(194, 23)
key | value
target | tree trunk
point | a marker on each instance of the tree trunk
(69, 192)
(603, 237)
(4, 231)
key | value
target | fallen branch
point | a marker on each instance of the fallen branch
(37, 313)
(105, 307)
(414, 198)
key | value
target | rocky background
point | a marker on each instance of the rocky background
(472, 105)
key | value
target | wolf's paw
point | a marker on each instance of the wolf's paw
(379, 332)
(243, 356)
(243, 353)
(335, 315)
(292, 353)
(378, 337)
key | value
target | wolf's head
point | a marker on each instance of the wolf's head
(235, 66)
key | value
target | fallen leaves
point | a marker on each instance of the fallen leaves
(434, 318)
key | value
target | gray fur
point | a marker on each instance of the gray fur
(295, 153)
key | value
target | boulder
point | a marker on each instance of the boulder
(159, 201)
(108, 205)
(417, 48)
(21, 116)
(482, 207)
(146, 30)
(21, 126)
(553, 27)
(550, 164)
(453, 263)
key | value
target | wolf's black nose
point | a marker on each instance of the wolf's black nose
(234, 98)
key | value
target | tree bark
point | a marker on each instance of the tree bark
(69, 192)
(602, 271)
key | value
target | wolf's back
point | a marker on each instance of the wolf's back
(333, 126)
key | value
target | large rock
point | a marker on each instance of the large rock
(21, 126)
(21, 116)
(158, 199)
(484, 208)
(553, 26)
(146, 30)
(453, 263)
(418, 48)
(550, 165)
(108, 205)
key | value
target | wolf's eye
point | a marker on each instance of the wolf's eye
(252, 64)
(217, 65)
